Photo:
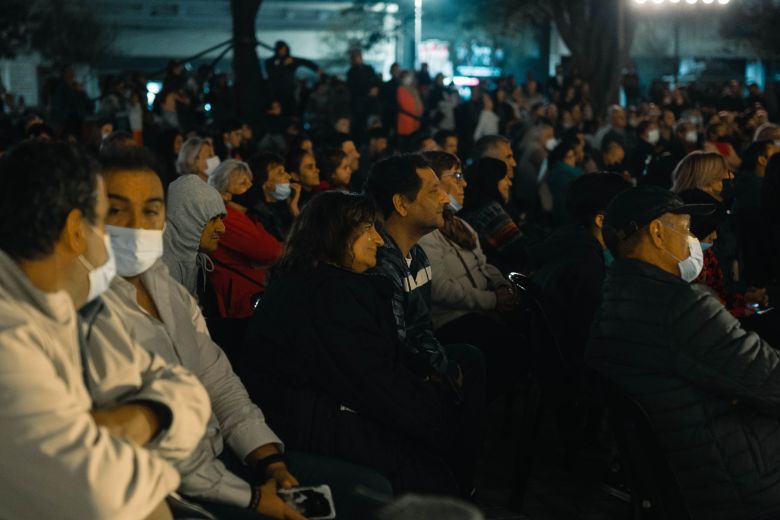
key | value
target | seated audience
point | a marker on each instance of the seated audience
(100, 447)
(304, 170)
(245, 249)
(571, 264)
(195, 213)
(240, 462)
(196, 157)
(336, 382)
(411, 202)
(484, 208)
(707, 384)
(335, 168)
(471, 299)
(770, 213)
(563, 170)
(272, 200)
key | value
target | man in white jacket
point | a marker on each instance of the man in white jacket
(240, 463)
(64, 454)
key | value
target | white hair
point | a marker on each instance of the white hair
(188, 156)
(220, 177)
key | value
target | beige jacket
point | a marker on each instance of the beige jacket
(182, 338)
(453, 293)
(56, 462)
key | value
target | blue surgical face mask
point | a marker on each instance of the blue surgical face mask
(454, 205)
(706, 245)
(281, 191)
(608, 258)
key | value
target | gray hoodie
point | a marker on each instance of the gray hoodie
(191, 204)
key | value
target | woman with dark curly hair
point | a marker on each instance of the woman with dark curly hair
(322, 354)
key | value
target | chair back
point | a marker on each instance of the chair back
(655, 492)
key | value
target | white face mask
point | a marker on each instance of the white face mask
(453, 204)
(550, 144)
(653, 136)
(691, 267)
(100, 277)
(211, 164)
(691, 136)
(136, 250)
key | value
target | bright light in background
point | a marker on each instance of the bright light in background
(392, 8)
(152, 89)
(690, 2)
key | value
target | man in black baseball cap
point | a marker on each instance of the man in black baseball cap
(710, 388)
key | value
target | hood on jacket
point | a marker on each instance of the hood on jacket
(191, 204)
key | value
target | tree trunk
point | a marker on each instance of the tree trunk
(249, 95)
(599, 34)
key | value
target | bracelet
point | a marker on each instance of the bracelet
(262, 464)
(255, 500)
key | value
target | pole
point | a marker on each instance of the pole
(676, 50)
(417, 32)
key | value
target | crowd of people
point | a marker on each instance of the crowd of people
(195, 303)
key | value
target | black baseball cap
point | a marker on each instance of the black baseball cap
(635, 208)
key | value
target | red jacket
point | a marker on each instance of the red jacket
(245, 251)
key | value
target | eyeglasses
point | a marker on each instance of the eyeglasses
(458, 175)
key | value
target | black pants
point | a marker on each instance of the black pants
(355, 489)
(506, 358)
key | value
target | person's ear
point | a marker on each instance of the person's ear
(399, 204)
(73, 236)
(598, 220)
(656, 231)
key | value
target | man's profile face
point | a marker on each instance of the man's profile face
(427, 209)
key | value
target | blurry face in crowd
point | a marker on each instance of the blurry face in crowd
(204, 153)
(570, 158)
(106, 130)
(669, 120)
(614, 155)
(426, 211)
(348, 147)
(233, 138)
(307, 145)
(362, 253)
(309, 174)
(429, 145)
(504, 185)
(343, 125)
(209, 238)
(275, 109)
(343, 173)
(276, 175)
(503, 152)
(246, 133)
(716, 187)
(136, 200)
(451, 145)
(177, 142)
(453, 182)
(377, 145)
(239, 182)
(618, 119)
(546, 134)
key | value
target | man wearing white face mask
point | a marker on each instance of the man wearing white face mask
(166, 320)
(711, 389)
(61, 423)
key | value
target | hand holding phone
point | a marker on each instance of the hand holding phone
(313, 502)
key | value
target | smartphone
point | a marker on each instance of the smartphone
(764, 311)
(313, 502)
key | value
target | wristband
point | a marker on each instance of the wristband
(262, 464)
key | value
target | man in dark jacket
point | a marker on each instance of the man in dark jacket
(711, 389)
(571, 264)
(281, 69)
(408, 195)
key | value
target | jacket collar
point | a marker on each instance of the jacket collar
(630, 266)
(14, 282)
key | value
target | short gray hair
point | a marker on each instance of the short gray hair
(220, 177)
(188, 156)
